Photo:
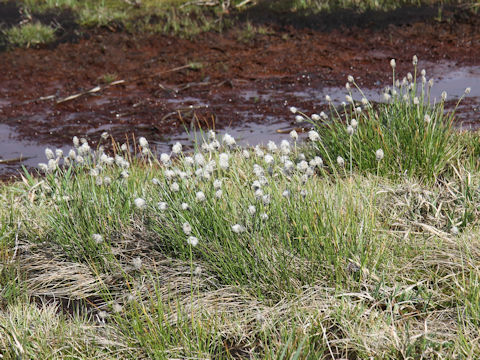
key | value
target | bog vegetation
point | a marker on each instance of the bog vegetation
(360, 242)
(179, 17)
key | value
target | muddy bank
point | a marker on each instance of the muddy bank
(231, 81)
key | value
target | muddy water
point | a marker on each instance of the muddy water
(255, 122)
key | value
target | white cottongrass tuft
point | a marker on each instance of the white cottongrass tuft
(187, 228)
(349, 98)
(354, 123)
(315, 117)
(246, 154)
(199, 159)
(200, 196)
(49, 153)
(217, 184)
(165, 158)
(268, 159)
(218, 194)
(313, 135)
(162, 205)
(175, 187)
(379, 154)
(237, 228)
(454, 230)
(316, 161)
(415, 60)
(228, 140)
(350, 78)
(293, 109)
(252, 210)
(350, 130)
(97, 238)
(185, 206)
(59, 153)
(328, 98)
(285, 147)
(140, 203)
(299, 118)
(302, 166)
(76, 142)
(177, 148)
(427, 118)
(467, 90)
(286, 193)
(444, 95)
(271, 146)
(264, 216)
(104, 135)
(223, 161)
(340, 161)
(143, 142)
(193, 241)
(294, 135)
(393, 64)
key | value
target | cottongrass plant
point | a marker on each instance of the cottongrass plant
(410, 126)
(275, 252)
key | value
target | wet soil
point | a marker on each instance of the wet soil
(236, 79)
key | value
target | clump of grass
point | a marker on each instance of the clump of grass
(267, 253)
(30, 34)
(415, 134)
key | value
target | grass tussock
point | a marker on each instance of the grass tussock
(30, 35)
(275, 252)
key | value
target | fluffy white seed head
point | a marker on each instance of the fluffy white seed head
(228, 140)
(393, 64)
(246, 154)
(268, 159)
(271, 146)
(340, 161)
(193, 241)
(354, 123)
(140, 203)
(379, 154)
(467, 90)
(187, 228)
(97, 238)
(444, 95)
(219, 194)
(49, 153)
(237, 228)
(302, 166)
(427, 118)
(252, 210)
(177, 148)
(143, 142)
(315, 117)
(200, 196)
(299, 118)
(293, 109)
(313, 135)
(59, 153)
(350, 78)
(328, 98)
(350, 130)
(349, 98)
(294, 135)
(165, 158)
(415, 60)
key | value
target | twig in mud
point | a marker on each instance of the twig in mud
(118, 82)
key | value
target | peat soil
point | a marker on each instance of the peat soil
(231, 80)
